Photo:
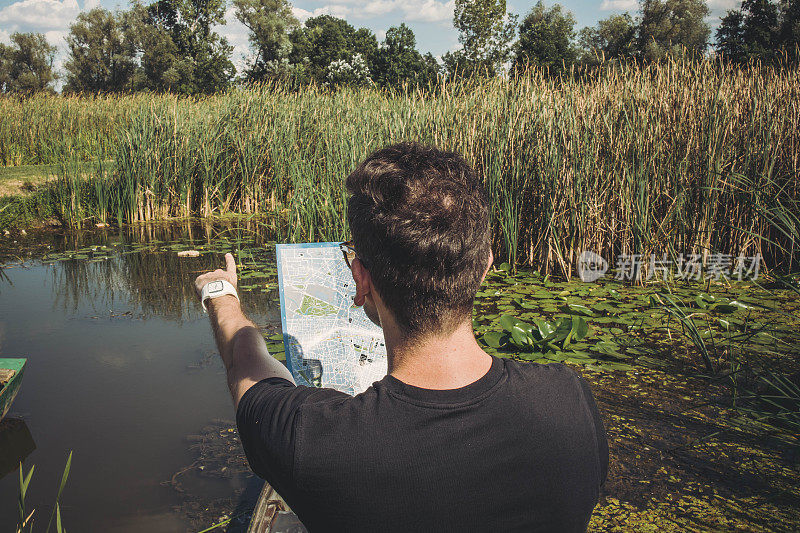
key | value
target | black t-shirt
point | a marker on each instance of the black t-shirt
(521, 449)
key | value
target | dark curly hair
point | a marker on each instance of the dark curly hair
(419, 218)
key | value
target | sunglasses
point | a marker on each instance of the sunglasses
(348, 252)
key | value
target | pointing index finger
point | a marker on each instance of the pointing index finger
(230, 264)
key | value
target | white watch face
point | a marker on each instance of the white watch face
(215, 286)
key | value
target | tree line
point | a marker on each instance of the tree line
(173, 45)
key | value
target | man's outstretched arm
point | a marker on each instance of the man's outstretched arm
(240, 344)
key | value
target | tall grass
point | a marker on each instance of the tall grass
(42, 129)
(679, 157)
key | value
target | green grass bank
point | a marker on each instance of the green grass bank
(679, 157)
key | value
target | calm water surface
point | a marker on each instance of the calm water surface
(121, 368)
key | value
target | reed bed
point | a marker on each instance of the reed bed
(678, 157)
(40, 129)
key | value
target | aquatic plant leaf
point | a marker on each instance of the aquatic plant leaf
(63, 483)
(494, 339)
(703, 300)
(544, 328)
(624, 367)
(23, 484)
(556, 356)
(507, 322)
(579, 328)
(520, 338)
(579, 360)
(579, 309)
(651, 362)
(563, 328)
(609, 348)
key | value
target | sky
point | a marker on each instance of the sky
(431, 20)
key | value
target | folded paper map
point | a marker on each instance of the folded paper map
(329, 342)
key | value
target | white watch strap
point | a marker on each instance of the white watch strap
(215, 289)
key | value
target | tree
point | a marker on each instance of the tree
(5, 68)
(760, 27)
(751, 32)
(27, 64)
(485, 32)
(730, 37)
(672, 27)
(789, 33)
(398, 62)
(612, 38)
(324, 40)
(179, 50)
(101, 55)
(354, 72)
(270, 22)
(546, 38)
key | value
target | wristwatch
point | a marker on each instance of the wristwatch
(215, 289)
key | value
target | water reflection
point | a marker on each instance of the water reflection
(138, 266)
(16, 443)
(122, 368)
(152, 282)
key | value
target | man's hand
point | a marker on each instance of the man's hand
(240, 344)
(229, 275)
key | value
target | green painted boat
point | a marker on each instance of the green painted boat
(10, 379)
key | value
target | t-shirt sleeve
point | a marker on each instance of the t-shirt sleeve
(602, 440)
(267, 419)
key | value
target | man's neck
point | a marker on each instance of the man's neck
(447, 362)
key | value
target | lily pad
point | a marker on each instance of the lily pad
(494, 339)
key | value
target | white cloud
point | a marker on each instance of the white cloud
(5, 37)
(337, 10)
(410, 10)
(723, 5)
(430, 11)
(56, 37)
(376, 8)
(88, 5)
(619, 5)
(301, 14)
(39, 15)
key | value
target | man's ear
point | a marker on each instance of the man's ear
(488, 265)
(363, 281)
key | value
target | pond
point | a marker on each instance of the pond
(123, 371)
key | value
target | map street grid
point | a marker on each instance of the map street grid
(328, 341)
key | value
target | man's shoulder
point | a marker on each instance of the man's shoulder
(547, 382)
(555, 373)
